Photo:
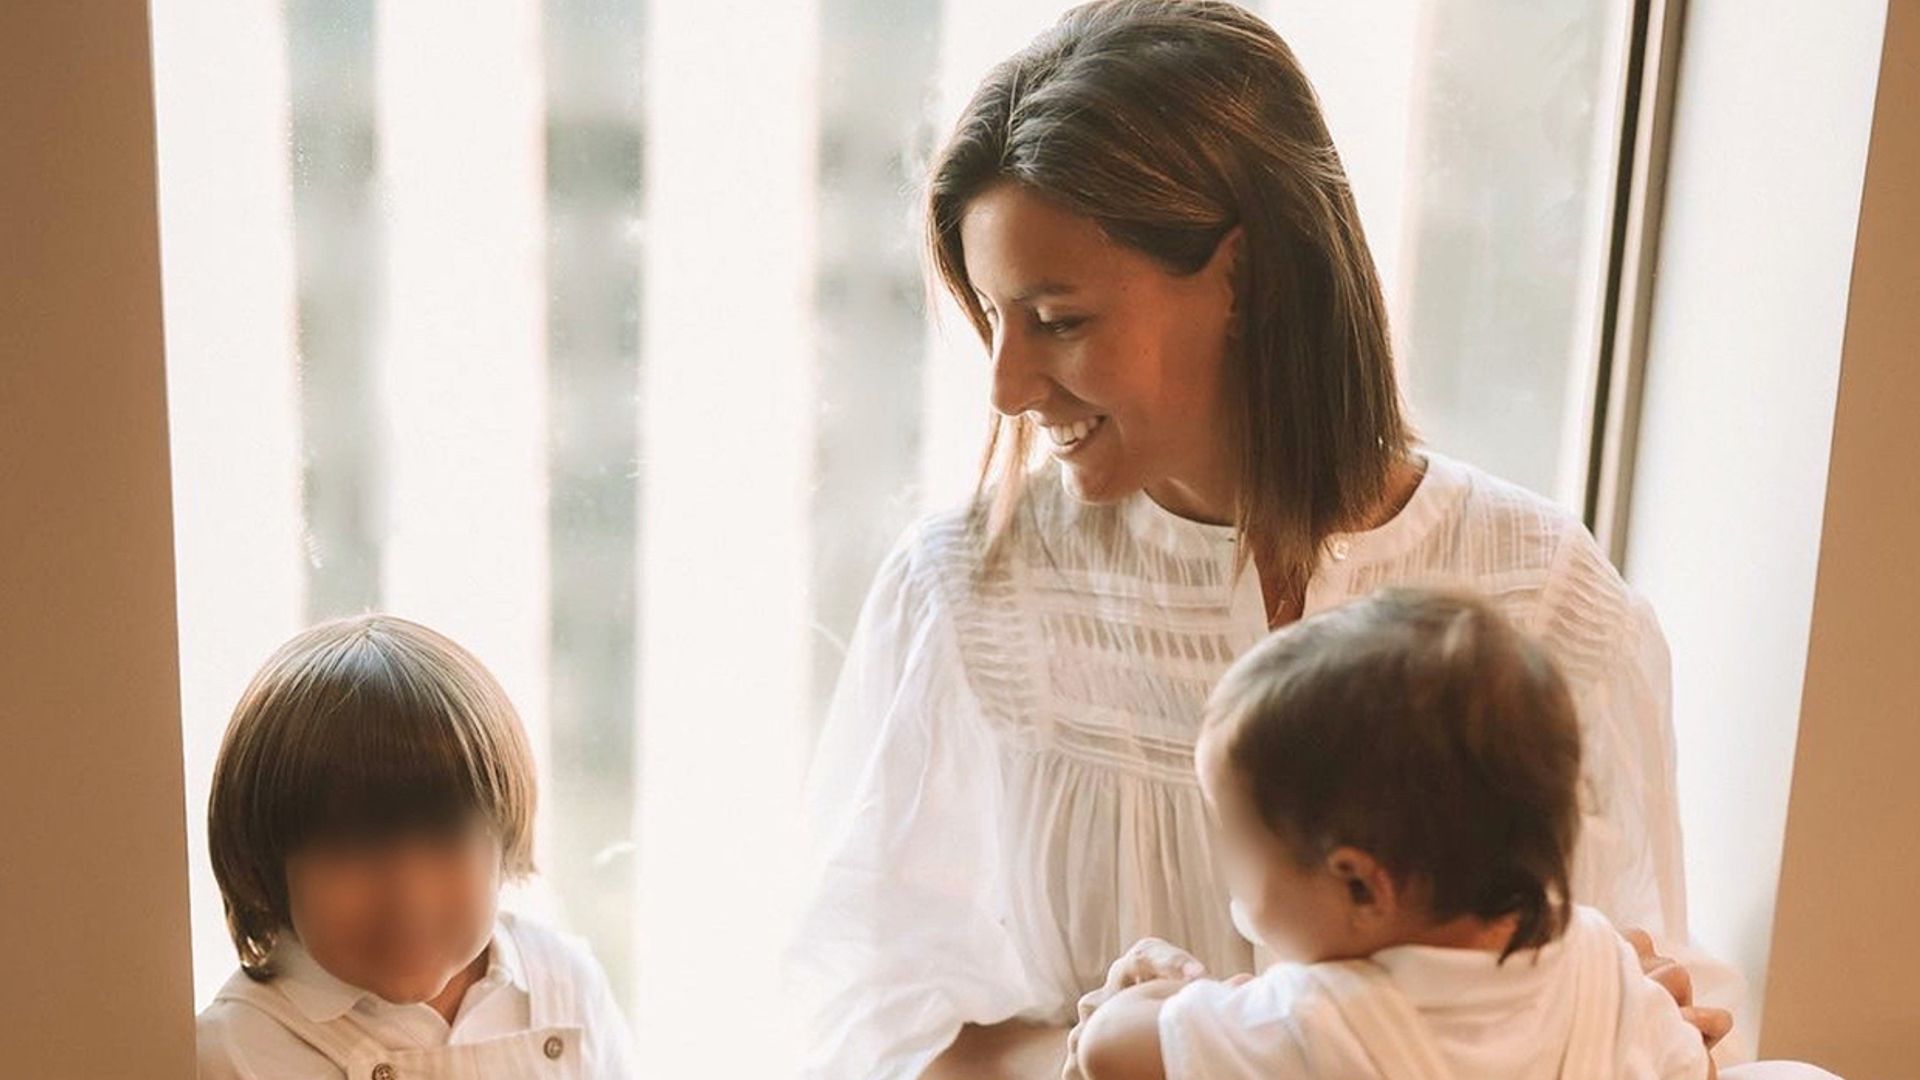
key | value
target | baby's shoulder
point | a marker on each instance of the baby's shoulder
(1285, 996)
(1275, 1022)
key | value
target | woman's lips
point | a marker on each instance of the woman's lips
(1069, 437)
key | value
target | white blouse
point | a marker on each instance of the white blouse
(1003, 798)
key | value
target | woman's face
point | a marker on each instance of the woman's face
(399, 917)
(1119, 361)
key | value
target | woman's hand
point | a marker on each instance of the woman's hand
(1714, 1024)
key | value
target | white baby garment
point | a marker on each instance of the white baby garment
(1579, 1009)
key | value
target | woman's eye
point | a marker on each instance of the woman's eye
(1060, 326)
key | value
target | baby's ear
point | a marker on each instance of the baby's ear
(1369, 887)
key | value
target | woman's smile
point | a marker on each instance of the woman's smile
(1071, 439)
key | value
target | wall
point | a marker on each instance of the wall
(93, 894)
(1845, 985)
(1770, 129)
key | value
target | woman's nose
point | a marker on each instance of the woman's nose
(1019, 384)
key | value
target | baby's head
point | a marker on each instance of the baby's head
(373, 789)
(1401, 765)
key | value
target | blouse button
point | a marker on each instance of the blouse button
(554, 1047)
(384, 1071)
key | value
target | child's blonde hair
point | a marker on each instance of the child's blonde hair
(364, 727)
(1422, 728)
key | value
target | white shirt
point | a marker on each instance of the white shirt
(1582, 1009)
(239, 1042)
(1003, 798)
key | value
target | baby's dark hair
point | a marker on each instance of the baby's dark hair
(1423, 728)
(359, 729)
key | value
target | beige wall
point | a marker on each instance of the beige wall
(92, 854)
(1773, 110)
(1845, 984)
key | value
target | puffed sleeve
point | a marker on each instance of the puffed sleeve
(901, 939)
(1630, 862)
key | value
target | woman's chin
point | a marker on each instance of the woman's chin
(1092, 484)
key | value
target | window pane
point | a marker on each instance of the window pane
(1480, 139)
(592, 332)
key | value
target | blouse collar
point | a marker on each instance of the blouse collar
(1439, 490)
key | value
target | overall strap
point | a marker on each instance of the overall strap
(550, 963)
(1386, 1023)
(1594, 950)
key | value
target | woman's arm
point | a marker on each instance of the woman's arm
(900, 938)
(1011, 1050)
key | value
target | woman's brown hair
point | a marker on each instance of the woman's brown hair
(1423, 728)
(359, 729)
(1170, 123)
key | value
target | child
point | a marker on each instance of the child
(1393, 785)
(373, 789)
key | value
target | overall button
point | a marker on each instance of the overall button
(384, 1071)
(554, 1047)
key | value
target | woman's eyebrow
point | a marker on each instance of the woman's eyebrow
(1043, 289)
(1037, 291)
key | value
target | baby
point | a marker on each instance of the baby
(1393, 787)
(373, 790)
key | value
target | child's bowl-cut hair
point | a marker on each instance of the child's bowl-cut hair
(359, 729)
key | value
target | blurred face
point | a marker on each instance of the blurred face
(1119, 361)
(1341, 907)
(399, 917)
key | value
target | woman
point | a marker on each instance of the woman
(1144, 218)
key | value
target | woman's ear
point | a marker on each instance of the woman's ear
(1372, 894)
(1223, 266)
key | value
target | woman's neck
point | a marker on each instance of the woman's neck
(1213, 502)
(1208, 504)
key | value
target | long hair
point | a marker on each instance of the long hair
(1169, 123)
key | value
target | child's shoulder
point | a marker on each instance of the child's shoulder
(235, 1039)
(549, 953)
(561, 967)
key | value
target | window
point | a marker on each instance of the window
(592, 333)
